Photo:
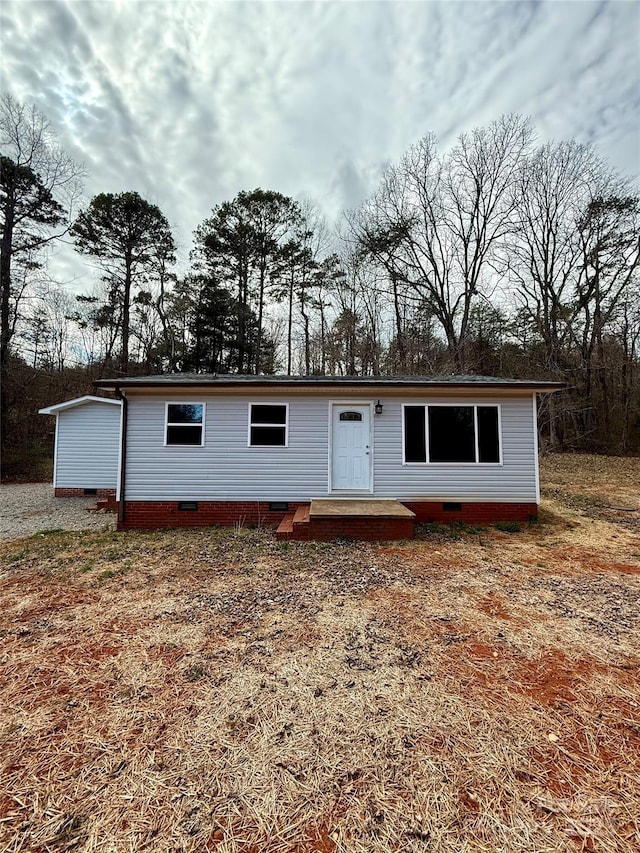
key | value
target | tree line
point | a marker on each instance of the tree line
(499, 256)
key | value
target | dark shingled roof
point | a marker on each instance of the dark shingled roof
(201, 380)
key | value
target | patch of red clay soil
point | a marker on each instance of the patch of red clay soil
(590, 562)
(89, 654)
(492, 673)
(319, 841)
(127, 626)
(480, 651)
(166, 654)
(553, 678)
(224, 833)
(624, 568)
(50, 686)
(559, 775)
(468, 801)
(80, 654)
(493, 605)
(54, 599)
(569, 764)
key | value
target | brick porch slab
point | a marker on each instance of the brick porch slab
(331, 518)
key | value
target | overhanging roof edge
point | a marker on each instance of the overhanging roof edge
(330, 384)
(77, 401)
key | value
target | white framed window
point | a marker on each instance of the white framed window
(451, 434)
(268, 424)
(184, 424)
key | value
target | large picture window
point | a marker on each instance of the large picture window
(268, 425)
(184, 424)
(455, 434)
(451, 434)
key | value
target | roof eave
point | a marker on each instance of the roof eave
(78, 401)
(331, 385)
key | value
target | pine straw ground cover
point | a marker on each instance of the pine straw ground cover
(213, 690)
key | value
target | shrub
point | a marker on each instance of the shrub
(508, 526)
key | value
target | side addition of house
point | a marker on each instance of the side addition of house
(87, 446)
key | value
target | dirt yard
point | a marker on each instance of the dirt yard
(214, 690)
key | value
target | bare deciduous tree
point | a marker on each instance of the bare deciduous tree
(436, 222)
(569, 262)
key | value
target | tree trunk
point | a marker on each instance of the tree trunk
(323, 339)
(167, 330)
(242, 318)
(290, 322)
(307, 346)
(400, 342)
(5, 328)
(605, 403)
(124, 356)
(260, 316)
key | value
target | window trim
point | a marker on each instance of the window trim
(251, 424)
(475, 464)
(168, 423)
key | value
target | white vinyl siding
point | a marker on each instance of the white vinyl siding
(226, 469)
(87, 446)
(514, 480)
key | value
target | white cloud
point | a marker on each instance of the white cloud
(190, 102)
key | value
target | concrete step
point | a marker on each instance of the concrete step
(359, 508)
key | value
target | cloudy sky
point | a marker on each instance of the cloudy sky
(190, 102)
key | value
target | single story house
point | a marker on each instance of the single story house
(209, 449)
(86, 456)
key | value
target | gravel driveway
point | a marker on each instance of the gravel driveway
(30, 508)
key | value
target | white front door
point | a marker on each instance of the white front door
(350, 454)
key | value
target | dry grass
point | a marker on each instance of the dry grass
(217, 691)
(610, 482)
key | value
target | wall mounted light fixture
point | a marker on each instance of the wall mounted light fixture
(378, 408)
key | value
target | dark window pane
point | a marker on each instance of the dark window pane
(415, 449)
(350, 416)
(184, 435)
(267, 436)
(451, 436)
(184, 413)
(488, 440)
(268, 414)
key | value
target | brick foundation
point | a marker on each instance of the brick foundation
(158, 514)
(155, 514)
(472, 513)
(100, 494)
